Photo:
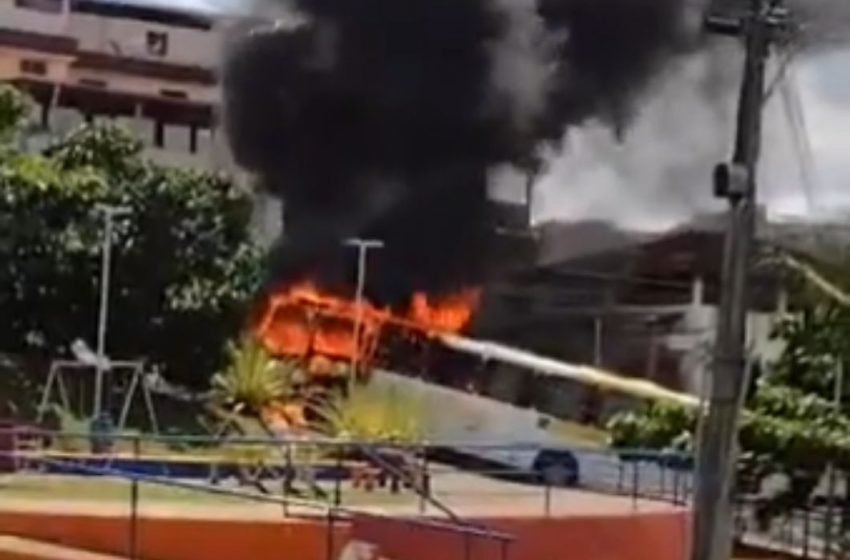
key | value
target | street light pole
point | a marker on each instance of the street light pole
(363, 246)
(110, 213)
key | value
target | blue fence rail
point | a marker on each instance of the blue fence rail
(638, 474)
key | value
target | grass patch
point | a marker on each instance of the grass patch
(108, 489)
(98, 489)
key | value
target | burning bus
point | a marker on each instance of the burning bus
(333, 337)
(386, 122)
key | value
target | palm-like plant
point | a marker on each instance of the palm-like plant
(253, 380)
(373, 413)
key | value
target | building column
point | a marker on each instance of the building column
(45, 116)
(697, 292)
(138, 115)
(782, 302)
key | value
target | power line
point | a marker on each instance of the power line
(785, 61)
(795, 114)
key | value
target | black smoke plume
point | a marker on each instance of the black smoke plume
(381, 119)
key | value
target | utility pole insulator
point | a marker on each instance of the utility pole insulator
(732, 181)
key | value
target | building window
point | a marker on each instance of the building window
(157, 43)
(173, 93)
(33, 67)
(48, 6)
(89, 82)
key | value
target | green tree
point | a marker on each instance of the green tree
(14, 108)
(791, 426)
(184, 265)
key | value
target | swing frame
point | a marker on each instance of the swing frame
(135, 368)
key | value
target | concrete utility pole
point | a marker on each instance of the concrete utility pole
(363, 246)
(110, 213)
(736, 181)
(832, 482)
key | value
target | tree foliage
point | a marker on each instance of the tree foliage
(184, 265)
(14, 109)
(791, 426)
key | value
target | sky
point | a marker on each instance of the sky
(825, 87)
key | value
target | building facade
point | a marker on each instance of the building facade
(150, 68)
(645, 308)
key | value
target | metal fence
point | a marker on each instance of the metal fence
(413, 485)
(342, 480)
(816, 531)
(399, 468)
(260, 471)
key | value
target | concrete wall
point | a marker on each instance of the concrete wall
(694, 336)
(48, 23)
(647, 536)
(129, 37)
(114, 35)
(175, 538)
(144, 85)
(638, 536)
(10, 64)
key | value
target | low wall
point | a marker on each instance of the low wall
(170, 538)
(649, 536)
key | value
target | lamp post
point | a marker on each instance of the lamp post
(363, 247)
(110, 213)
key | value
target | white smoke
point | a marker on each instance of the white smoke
(522, 61)
(660, 171)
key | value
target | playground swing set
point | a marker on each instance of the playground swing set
(67, 373)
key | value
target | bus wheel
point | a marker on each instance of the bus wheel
(557, 469)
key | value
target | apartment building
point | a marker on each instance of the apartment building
(147, 65)
(150, 65)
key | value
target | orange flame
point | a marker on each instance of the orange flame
(300, 320)
(450, 313)
(303, 322)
